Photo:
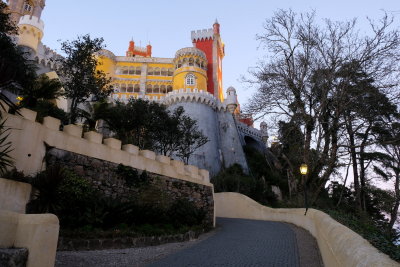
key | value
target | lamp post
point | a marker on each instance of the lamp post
(303, 171)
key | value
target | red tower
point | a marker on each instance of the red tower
(209, 41)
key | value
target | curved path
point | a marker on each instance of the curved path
(241, 242)
(236, 242)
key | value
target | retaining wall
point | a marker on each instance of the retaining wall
(339, 246)
(29, 138)
(36, 232)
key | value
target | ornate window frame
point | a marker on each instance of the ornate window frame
(190, 79)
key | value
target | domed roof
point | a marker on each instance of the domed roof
(190, 51)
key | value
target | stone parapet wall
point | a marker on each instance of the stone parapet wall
(29, 137)
(339, 246)
(36, 232)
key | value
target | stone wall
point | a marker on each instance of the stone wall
(29, 139)
(103, 176)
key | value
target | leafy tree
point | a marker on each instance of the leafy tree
(167, 134)
(133, 122)
(43, 88)
(389, 168)
(191, 138)
(80, 78)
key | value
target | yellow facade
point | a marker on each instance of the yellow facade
(180, 76)
(151, 77)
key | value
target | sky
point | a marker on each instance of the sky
(167, 25)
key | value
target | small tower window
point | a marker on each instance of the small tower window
(137, 88)
(190, 79)
(27, 7)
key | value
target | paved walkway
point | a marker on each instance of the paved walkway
(236, 242)
(241, 243)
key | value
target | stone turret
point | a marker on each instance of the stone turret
(26, 14)
(231, 99)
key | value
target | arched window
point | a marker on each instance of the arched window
(197, 63)
(116, 87)
(150, 71)
(157, 71)
(169, 88)
(138, 70)
(170, 72)
(136, 89)
(179, 64)
(123, 88)
(156, 89)
(149, 88)
(163, 90)
(124, 70)
(191, 62)
(190, 79)
(163, 72)
(130, 88)
(131, 70)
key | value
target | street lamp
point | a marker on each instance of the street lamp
(303, 171)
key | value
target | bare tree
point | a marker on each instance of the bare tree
(300, 82)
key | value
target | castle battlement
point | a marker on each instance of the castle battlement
(250, 131)
(190, 51)
(29, 138)
(202, 34)
(33, 21)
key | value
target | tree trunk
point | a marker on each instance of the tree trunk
(393, 213)
(353, 155)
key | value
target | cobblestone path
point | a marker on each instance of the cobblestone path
(241, 243)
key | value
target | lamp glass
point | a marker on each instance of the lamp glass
(303, 169)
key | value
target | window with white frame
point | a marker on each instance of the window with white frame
(190, 79)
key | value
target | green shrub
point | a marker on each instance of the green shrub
(183, 212)
(368, 229)
(131, 176)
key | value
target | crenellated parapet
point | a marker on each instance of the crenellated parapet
(205, 34)
(190, 51)
(195, 95)
(33, 21)
(249, 131)
(29, 137)
(47, 57)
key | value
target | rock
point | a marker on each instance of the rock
(13, 257)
